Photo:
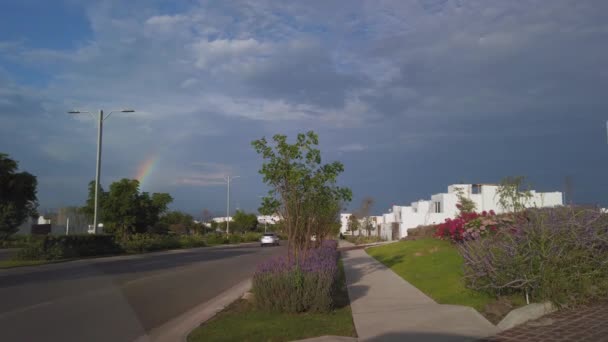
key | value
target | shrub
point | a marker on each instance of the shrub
(215, 239)
(16, 241)
(192, 241)
(307, 284)
(252, 237)
(552, 254)
(68, 246)
(235, 238)
(141, 243)
(359, 240)
(471, 225)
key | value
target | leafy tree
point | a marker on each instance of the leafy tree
(241, 222)
(124, 210)
(353, 224)
(303, 190)
(179, 222)
(465, 204)
(17, 196)
(364, 211)
(513, 193)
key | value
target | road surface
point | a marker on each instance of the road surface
(118, 298)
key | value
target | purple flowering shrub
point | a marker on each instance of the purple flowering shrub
(558, 254)
(285, 285)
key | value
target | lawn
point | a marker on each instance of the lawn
(19, 263)
(242, 322)
(435, 267)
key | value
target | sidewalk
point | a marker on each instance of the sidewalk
(387, 308)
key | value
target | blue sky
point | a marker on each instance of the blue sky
(410, 95)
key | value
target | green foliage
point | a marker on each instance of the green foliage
(242, 222)
(178, 222)
(465, 204)
(68, 246)
(552, 254)
(17, 196)
(361, 240)
(353, 224)
(124, 210)
(141, 243)
(513, 193)
(433, 266)
(259, 325)
(303, 190)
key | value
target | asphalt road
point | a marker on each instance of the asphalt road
(117, 298)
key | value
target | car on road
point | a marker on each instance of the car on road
(269, 239)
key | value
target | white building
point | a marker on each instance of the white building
(269, 219)
(399, 219)
(221, 219)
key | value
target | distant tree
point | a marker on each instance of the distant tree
(465, 204)
(242, 221)
(178, 222)
(17, 196)
(124, 210)
(513, 193)
(364, 213)
(353, 224)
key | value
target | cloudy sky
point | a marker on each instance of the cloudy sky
(411, 95)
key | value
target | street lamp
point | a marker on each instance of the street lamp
(100, 119)
(228, 179)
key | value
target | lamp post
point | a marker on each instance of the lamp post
(100, 119)
(228, 179)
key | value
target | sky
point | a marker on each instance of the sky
(411, 95)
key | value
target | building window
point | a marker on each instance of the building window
(476, 189)
(437, 207)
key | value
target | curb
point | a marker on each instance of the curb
(524, 314)
(178, 328)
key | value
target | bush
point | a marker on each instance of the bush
(141, 243)
(472, 225)
(552, 254)
(305, 285)
(252, 237)
(68, 246)
(16, 241)
(235, 238)
(192, 241)
(360, 240)
(215, 239)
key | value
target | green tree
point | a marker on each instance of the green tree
(124, 210)
(242, 221)
(17, 196)
(465, 204)
(513, 193)
(178, 222)
(353, 224)
(303, 190)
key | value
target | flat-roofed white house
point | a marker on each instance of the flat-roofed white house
(399, 219)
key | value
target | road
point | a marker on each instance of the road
(117, 298)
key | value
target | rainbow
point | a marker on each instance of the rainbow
(145, 169)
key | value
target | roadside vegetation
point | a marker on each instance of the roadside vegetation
(256, 324)
(496, 262)
(302, 293)
(362, 239)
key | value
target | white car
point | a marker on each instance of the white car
(269, 239)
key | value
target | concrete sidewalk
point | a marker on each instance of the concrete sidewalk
(387, 308)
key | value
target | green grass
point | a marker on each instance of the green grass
(20, 263)
(241, 321)
(435, 267)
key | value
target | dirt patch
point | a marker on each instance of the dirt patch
(418, 254)
(434, 249)
(498, 309)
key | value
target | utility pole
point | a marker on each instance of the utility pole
(228, 179)
(100, 119)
